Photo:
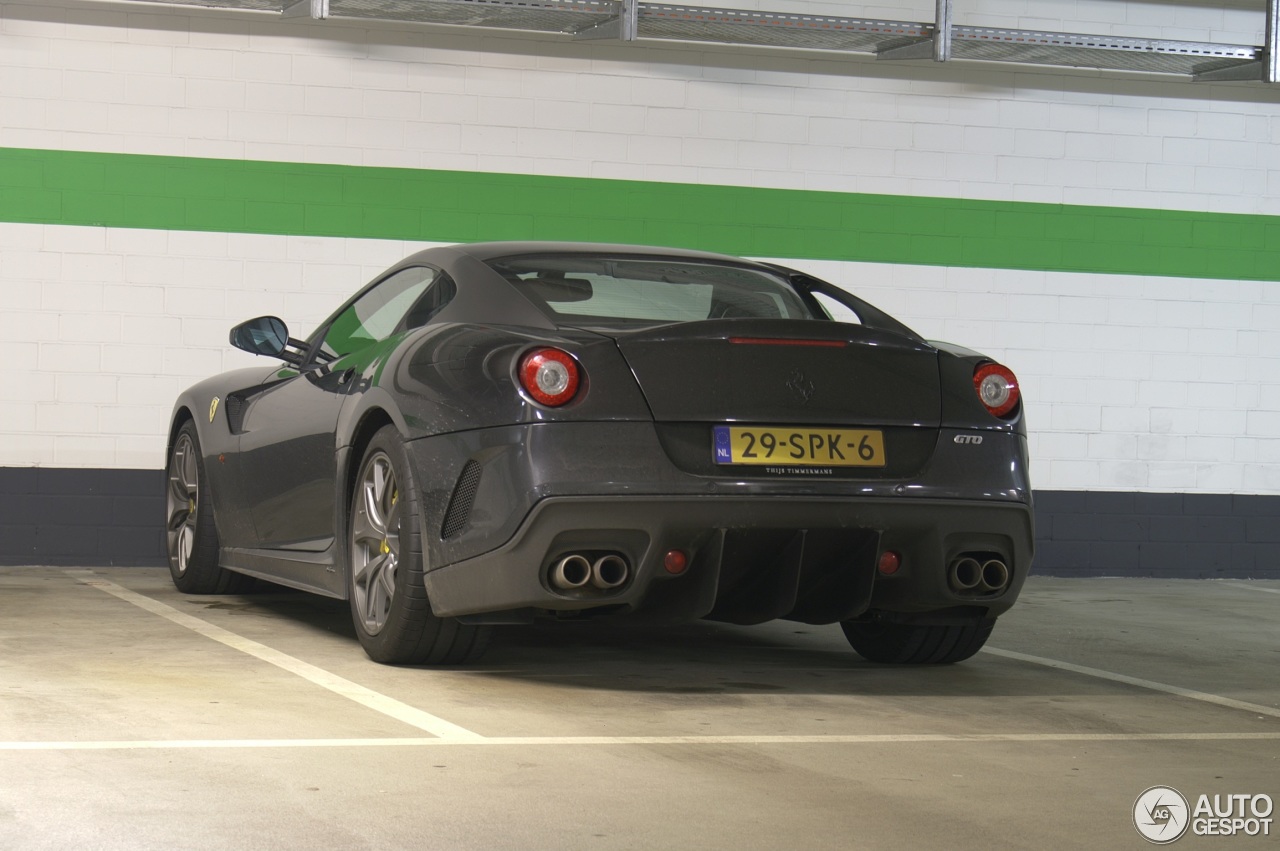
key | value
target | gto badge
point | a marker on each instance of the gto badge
(971, 439)
(801, 385)
(213, 408)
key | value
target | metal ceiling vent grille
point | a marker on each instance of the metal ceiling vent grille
(464, 496)
(732, 26)
(562, 16)
(939, 40)
(1120, 54)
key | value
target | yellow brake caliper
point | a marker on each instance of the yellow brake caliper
(386, 548)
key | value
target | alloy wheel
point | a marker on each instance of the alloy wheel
(375, 542)
(182, 501)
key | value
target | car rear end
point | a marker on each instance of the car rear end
(700, 439)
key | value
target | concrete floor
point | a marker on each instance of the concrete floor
(133, 717)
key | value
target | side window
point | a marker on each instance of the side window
(376, 314)
(431, 302)
(838, 311)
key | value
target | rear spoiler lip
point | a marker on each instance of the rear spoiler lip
(813, 332)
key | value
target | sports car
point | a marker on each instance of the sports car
(491, 433)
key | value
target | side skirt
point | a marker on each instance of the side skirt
(307, 571)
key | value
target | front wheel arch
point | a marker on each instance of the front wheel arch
(191, 528)
(181, 417)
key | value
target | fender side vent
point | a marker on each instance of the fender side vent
(235, 412)
(238, 403)
(464, 495)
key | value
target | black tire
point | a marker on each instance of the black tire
(385, 567)
(912, 644)
(191, 533)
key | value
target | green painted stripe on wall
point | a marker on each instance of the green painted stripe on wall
(184, 193)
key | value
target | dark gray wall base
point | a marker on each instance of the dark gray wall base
(1197, 536)
(81, 518)
(116, 517)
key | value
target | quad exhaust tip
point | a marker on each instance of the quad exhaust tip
(995, 575)
(576, 571)
(966, 574)
(973, 575)
(570, 572)
(609, 572)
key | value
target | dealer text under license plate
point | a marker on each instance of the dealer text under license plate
(825, 447)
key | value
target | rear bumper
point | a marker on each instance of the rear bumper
(751, 559)
(760, 548)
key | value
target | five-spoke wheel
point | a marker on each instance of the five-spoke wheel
(191, 534)
(181, 501)
(375, 542)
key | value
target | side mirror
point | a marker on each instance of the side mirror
(266, 335)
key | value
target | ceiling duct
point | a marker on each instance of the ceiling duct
(939, 40)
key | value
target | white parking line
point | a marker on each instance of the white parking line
(367, 697)
(1244, 586)
(447, 733)
(888, 739)
(1100, 674)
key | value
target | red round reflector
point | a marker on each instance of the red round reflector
(889, 562)
(550, 376)
(675, 561)
(997, 387)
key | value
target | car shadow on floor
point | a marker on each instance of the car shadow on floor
(705, 657)
(701, 657)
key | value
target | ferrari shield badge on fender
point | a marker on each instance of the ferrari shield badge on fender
(213, 408)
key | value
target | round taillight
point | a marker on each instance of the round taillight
(889, 563)
(997, 387)
(550, 376)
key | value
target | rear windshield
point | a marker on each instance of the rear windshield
(595, 290)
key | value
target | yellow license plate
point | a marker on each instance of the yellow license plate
(811, 447)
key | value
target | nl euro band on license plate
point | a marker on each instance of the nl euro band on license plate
(826, 447)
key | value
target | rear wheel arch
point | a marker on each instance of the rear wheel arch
(371, 422)
(384, 564)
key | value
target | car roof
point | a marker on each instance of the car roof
(489, 297)
(485, 251)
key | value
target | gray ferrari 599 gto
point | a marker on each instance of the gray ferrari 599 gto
(492, 433)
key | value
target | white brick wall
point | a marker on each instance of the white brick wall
(1131, 382)
(94, 367)
(1117, 402)
(1118, 394)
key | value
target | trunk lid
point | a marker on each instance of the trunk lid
(783, 372)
